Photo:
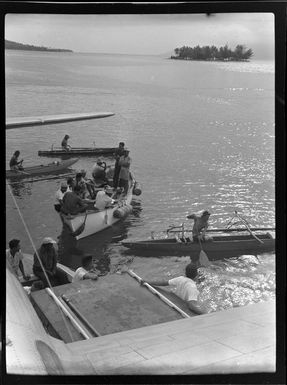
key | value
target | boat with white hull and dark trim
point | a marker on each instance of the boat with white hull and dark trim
(93, 221)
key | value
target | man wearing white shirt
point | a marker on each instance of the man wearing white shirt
(84, 271)
(59, 196)
(14, 258)
(184, 287)
(103, 200)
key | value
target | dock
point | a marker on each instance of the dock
(238, 340)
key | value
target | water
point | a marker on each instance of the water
(201, 136)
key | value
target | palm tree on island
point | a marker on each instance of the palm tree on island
(212, 53)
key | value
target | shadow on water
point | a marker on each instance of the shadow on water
(101, 246)
(20, 189)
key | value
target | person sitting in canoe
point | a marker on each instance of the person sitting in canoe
(99, 173)
(59, 196)
(103, 200)
(200, 225)
(64, 144)
(184, 287)
(85, 271)
(72, 202)
(15, 163)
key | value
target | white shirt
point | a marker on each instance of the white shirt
(59, 196)
(102, 199)
(185, 288)
(79, 274)
(14, 261)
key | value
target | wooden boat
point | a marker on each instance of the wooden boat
(88, 151)
(93, 221)
(216, 247)
(50, 168)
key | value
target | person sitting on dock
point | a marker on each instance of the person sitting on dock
(124, 163)
(59, 196)
(99, 173)
(118, 153)
(48, 257)
(103, 200)
(72, 202)
(14, 258)
(184, 287)
(15, 163)
(200, 225)
(85, 271)
(64, 144)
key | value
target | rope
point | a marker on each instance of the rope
(39, 259)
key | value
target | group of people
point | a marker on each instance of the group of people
(81, 193)
(45, 269)
(45, 265)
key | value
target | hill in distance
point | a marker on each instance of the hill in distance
(27, 47)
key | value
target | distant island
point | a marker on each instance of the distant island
(26, 47)
(241, 53)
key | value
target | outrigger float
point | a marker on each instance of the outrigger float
(219, 244)
(93, 221)
(50, 168)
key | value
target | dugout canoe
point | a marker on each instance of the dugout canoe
(83, 151)
(50, 168)
(217, 247)
(93, 221)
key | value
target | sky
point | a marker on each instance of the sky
(143, 34)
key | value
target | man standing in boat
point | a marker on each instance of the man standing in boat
(64, 144)
(118, 153)
(124, 164)
(184, 287)
(200, 225)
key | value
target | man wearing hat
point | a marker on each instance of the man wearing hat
(48, 258)
(14, 258)
(59, 196)
(200, 225)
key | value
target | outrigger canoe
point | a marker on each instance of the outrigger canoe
(216, 247)
(50, 168)
(83, 151)
(93, 221)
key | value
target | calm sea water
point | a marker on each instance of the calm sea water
(201, 136)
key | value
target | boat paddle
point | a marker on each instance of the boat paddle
(80, 229)
(203, 258)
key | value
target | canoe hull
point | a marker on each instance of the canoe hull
(96, 221)
(218, 248)
(104, 151)
(52, 168)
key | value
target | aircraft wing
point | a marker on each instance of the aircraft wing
(53, 119)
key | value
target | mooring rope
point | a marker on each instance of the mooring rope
(39, 259)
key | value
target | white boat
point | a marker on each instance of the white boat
(93, 221)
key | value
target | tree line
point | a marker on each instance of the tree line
(27, 47)
(241, 53)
